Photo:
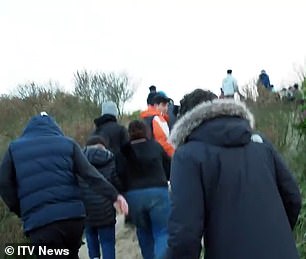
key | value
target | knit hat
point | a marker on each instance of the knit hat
(109, 108)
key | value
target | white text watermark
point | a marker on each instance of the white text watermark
(40, 250)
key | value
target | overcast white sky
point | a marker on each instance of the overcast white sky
(175, 45)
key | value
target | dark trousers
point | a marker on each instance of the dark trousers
(65, 234)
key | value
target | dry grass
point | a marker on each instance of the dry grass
(275, 119)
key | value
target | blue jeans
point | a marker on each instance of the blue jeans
(149, 211)
(101, 235)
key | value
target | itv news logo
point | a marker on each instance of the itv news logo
(40, 250)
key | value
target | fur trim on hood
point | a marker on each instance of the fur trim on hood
(207, 111)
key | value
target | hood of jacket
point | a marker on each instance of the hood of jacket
(98, 156)
(42, 126)
(221, 122)
(104, 119)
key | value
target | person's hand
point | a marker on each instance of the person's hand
(121, 205)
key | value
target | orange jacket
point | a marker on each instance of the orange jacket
(160, 128)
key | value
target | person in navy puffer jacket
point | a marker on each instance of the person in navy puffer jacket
(38, 182)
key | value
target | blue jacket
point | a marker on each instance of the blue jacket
(48, 189)
(265, 80)
(38, 175)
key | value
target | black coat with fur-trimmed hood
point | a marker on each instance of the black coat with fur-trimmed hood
(229, 186)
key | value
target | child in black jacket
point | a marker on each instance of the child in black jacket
(101, 215)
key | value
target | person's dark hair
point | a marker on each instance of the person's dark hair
(229, 71)
(194, 98)
(97, 139)
(296, 86)
(137, 129)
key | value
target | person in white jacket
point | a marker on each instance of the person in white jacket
(230, 86)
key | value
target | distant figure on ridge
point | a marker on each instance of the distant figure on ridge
(230, 86)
